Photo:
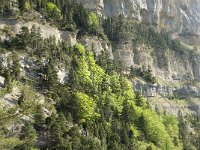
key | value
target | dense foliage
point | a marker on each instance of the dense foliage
(144, 74)
(64, 14)
(97, 107)
(121, 29)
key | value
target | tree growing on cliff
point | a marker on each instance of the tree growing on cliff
(53, 11)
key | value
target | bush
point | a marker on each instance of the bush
(53, 11)
(144, 74)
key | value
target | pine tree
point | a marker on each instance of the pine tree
(28, 135)
(39, 118)
(8, 83)
(142, 126)
(183, 132)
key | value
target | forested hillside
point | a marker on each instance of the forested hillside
(96, 108)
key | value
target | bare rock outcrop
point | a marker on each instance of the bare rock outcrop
(180, 17)
(46, 30)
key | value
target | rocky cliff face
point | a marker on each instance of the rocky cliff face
(28, 65)
(178, 73)
(178, 17)
(46, 30)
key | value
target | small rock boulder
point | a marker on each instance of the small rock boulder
(2, 81)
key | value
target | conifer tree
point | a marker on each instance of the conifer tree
(28, 135)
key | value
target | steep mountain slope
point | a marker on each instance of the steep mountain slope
(71, 79)
(177, 70)
(178, 17)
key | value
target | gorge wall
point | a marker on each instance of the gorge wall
(178, 17)
(178, 73)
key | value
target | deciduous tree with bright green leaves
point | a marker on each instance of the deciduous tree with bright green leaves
(53, 11)
(93, 21)
(86, 107)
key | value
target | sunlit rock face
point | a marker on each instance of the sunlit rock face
(94, 5)
(179, 17)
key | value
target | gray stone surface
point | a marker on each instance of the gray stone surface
(2, 80)
(179, 17)
(164, 63)
(46, 30)
(96, 45)
(10, 99)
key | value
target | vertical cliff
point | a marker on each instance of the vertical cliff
(178, 73)
(178, 17)
(74, 79)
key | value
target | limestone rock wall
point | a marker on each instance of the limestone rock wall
(96, 44)
(46, 30)
(166, 64)
(94, 5)
(179, 17)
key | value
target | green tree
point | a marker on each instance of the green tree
(5, 5)
(58, 131)
(50, 76)
(16, 67)
(128, 112)
(53, 11)
(24, 5)
(93, 22)
(39, 119)
(183, 132)
(28, 136)
(86, 107)
(8, 81)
